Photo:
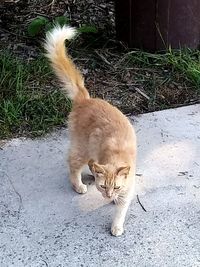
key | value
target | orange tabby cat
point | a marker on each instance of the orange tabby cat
(101, 136)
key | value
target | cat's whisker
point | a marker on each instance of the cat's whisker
(122, 194)
(120, 200)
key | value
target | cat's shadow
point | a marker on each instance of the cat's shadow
(88, 179)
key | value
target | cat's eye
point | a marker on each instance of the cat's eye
(103, 186)
(117, 187)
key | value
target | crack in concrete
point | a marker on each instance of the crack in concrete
(16, 192)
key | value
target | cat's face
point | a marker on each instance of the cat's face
(109, 181)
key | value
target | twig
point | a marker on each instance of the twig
(12, 1)
(41, 14)
(52, 4)
(17, 35)
(103, 58)
(45, 263)
(141, 203)
(141, 93)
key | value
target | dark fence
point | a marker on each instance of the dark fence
(158, 24)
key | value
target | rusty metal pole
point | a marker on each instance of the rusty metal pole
(157, 24)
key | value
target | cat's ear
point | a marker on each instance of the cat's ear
(123, 171)
(95, 167)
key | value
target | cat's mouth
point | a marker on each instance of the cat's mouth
(112, 197)
(104, 195)
(107, 196)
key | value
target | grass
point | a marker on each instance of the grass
(31, 103)
(185, 61)
(149, 82)
(27, 105)
(165, 80)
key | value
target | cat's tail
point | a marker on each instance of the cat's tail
(63, 66)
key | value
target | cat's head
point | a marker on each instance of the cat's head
(109, 181)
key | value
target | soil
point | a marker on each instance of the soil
(131, 88)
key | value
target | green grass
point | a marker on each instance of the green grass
(168, 79)
(185, 62)
(31, 103)
(27, 105)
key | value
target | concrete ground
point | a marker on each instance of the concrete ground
(44, 223)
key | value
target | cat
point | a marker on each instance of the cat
(100, 135)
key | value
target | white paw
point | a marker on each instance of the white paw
(81, 189)
(117, 230)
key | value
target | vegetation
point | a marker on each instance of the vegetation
(27, 105)
(40, 25)
(31, 102)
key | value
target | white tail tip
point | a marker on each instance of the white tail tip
(57, 35)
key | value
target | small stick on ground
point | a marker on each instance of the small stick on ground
(103, 58)
(141, 93)
(141, 204)
(52, 4)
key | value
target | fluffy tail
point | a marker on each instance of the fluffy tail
(63, 66)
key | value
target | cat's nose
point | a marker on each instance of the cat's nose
(109, 195)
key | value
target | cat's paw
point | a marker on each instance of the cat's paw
(81, 189)
(117, 230)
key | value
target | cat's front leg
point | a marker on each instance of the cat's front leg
(76, 163)
(117, 227)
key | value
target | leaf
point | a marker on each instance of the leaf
(88, 29)
(49, 26)
(36, 25)
(62, 20)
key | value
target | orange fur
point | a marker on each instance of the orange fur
(101, 136)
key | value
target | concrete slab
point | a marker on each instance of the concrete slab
(44, 223)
